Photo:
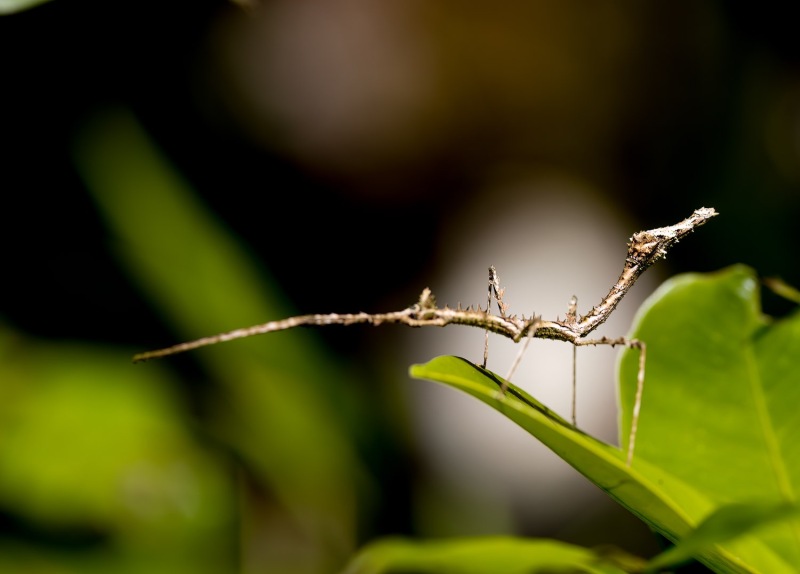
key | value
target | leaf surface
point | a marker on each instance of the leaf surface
(726, 523)
(278, 397)
(721, 394)
(474, 556)
(718, 424)
(13, 6)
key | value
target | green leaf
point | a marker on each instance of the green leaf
(12, 6)
(721, 394)
(724, 524)
(279, 397)
(718, 422)
(89, 443)
(637, 487)
(480, 555)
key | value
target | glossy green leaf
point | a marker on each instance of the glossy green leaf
(726, 523)
(481, 555)
(718, 423)
(642, 488)
(721, 394)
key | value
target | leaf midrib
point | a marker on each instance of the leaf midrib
(770, 436)
(767, 427)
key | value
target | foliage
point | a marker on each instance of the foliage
(12, 6)
(112, 455)
(95, 451)
(104, 454)
(718, 448)
(487, 554)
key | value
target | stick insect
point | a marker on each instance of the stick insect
(644, 249)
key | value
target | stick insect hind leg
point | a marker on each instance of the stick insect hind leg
(533, 324)
(637, 400)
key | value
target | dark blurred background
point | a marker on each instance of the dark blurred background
(336, 146)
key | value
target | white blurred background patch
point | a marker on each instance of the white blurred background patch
(550, 237)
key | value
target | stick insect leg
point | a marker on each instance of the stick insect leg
(574, 384)
(637, 401)
(497, 292)
(533, 324)
(492, 282)
(572, 318)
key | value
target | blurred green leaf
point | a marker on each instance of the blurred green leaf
(481, 555)
(12, 6)
(89, 444)
(279, 395)
(718, 422)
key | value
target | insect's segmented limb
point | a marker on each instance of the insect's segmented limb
(574, 385)
(535, 323)
(533, 326)
(572, 317)
(497, 292)
(493, 281)
(272, 326)
(637, 401)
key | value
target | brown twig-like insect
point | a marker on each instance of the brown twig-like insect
(644, 249)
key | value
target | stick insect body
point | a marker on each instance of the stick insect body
(644, 249)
